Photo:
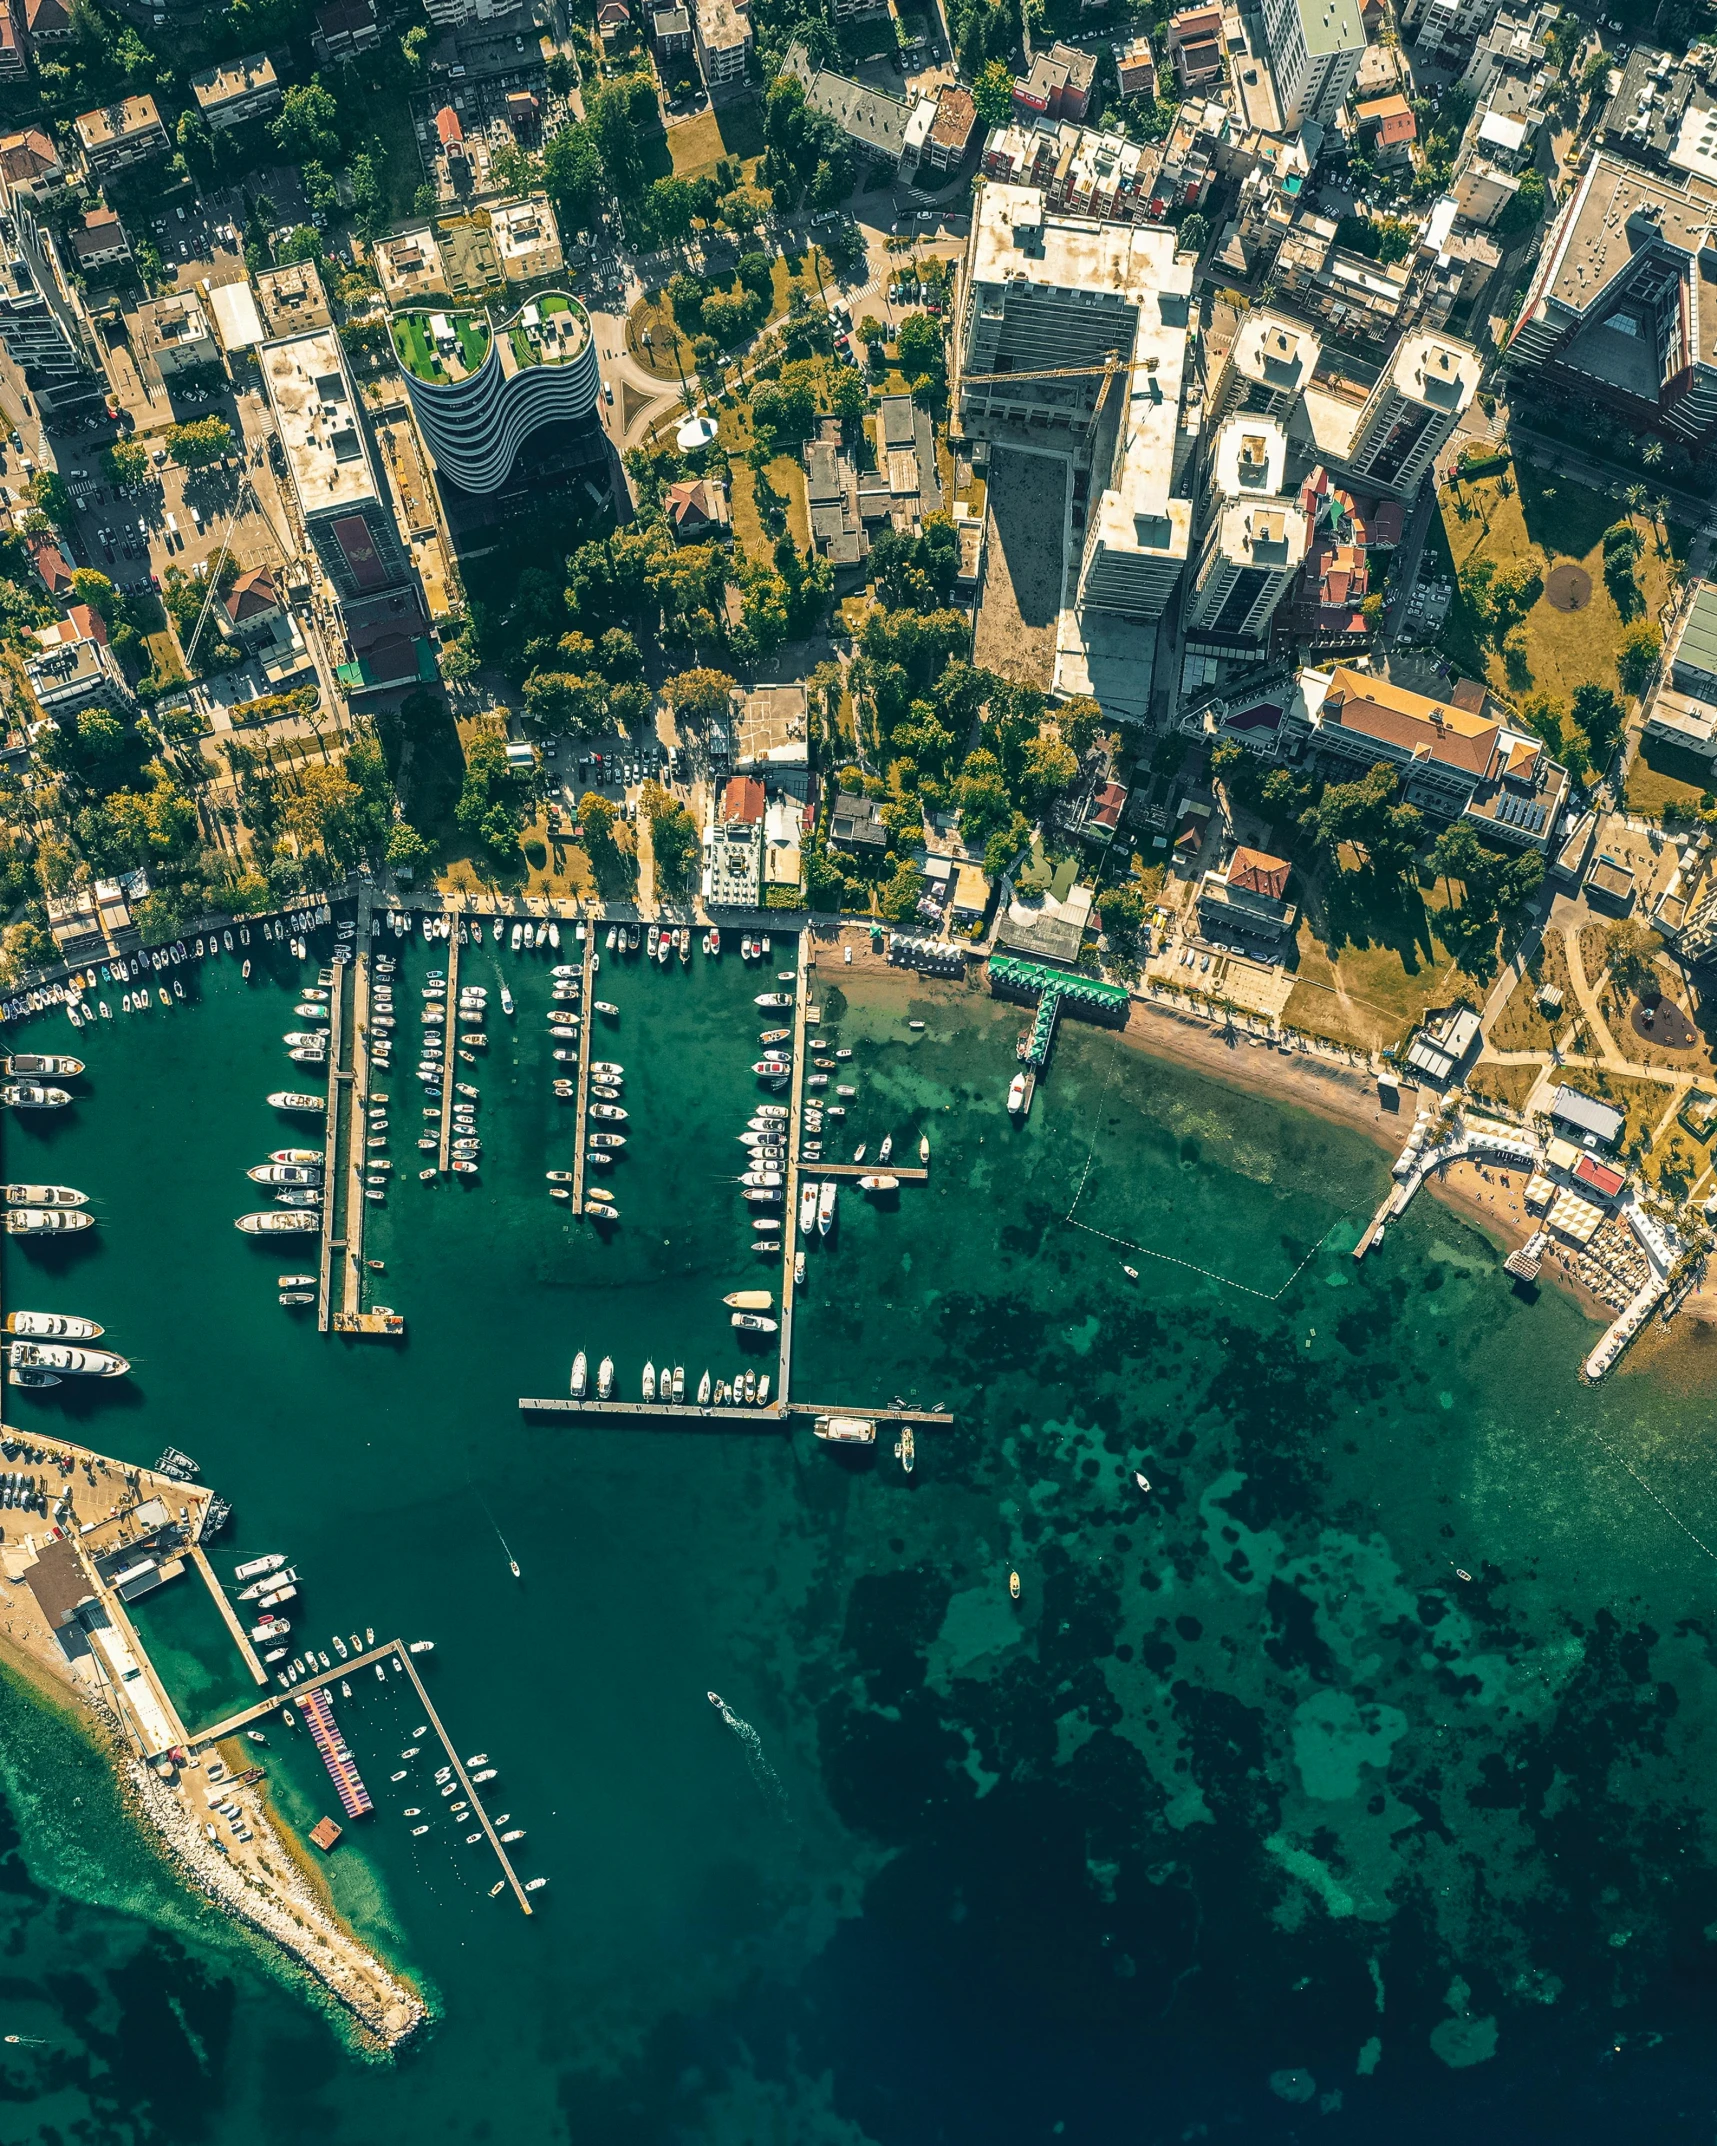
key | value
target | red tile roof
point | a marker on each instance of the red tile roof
(1254, 871)
(743, 800)
(448, 127)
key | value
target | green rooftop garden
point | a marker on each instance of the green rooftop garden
(417, 352)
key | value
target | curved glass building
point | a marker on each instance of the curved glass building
(482, 386)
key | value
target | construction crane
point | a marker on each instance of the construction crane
(1110, 366)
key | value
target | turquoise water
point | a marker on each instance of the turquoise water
(1250, 1816)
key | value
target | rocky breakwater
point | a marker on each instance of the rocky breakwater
(263, 1886)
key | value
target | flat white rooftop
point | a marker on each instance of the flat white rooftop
(307, 389)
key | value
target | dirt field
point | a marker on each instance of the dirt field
(1022, 570)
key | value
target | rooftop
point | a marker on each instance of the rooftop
(1434, 730)
(117, 122)
(309, 394)
(1251, 458)
(228, 79)
(291, 299)
(1331, 26)
(1278, 353)
(445, 348)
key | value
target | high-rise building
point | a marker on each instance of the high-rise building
(1268, 367)
(1254, 539)
(481, 385)
(1410, 415)
(40, 331)
(1315, 48)
(1622, 305)
(1059, 295)
(344, 516)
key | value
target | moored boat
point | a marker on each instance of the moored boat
(279, 1222)
(45, 1196)
(846, 1430)
(826, 1207)
(45, 1221)
(33, 1065)
(879, 1182)
(59, 1356)
(52, 1326)
(26, 1095)
(294, 1099)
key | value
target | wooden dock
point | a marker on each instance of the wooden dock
(234, 1723)
(450, 1042)
(357, 1117)
(240, 1637)
(790, 1210)
(585, 1017)
(667, 1413)
(331, 1149)
(774, 1413)
(850, 1170)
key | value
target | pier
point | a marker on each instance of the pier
(351, 1295)
(240, 1637)
(790, 1206)
(855, 1170)
(585, 1017)
(234, 1723)
(450, 1041)
(331, 1148)
(774, 1413)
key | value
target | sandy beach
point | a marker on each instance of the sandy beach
(1340, 1093)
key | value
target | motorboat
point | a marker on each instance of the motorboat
(602, 1005)
(612, 1112)
(561, 1177)
(295, 1281)
(887, 1148)
(761, 1177)
(772, 1069)
(605, 1140)
(253, 1568)
(924, 1148)
(807, 1208)
(758, 1196)
(605, 1378)
(751, 1322)
(880, 1182)
(304, 1157)
(279, 1222)
(826, 1207)
(773, 998)
(45, 1221)
(52, 1326)
(798, 1270)
(26, 1095)
(45, 1196)
(580, 1375)
(32, 1065)
(771, 1110)
(846, 1430)
(269, 1629)
(607, 1069)
(1143, 1480)
(285, 1173)
(31, 1378)
(858, 1152)
(649, 1382)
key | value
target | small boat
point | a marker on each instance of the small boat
(858, 1152)
(798, 1270)
(826, 1207)
(421, 1646)
(1132, 1273)
(1143, 1480)
(924, 1148)
(703, 1391)
(773, 998)
(561, 1177)
(881, 1181)
(762, 1388)
(750, 1322)
(1016, 1095)
(518, 1833)
(778, 1035)
(807, 1208)
(844, 1053)
(605, 1378)
(535, 1885)
(887, 1148)
(766, 1245)
(1013, 1585)
(603, 1006)
(418, 1831)
(31, 1378)
(749, 1300)
(580, 1375)
(649, 1382)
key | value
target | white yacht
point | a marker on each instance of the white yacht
(807, 1206)
(57, 1356)
(45, 1196)
(826, 1207)
(580, 1375)
(649, 1382)
(605, 1378)
(52, 1326)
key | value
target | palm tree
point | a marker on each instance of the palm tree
(1633, 498)
(1505, 486)
(1651, 454)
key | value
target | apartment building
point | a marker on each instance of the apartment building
(117, 136)
(31, 169)
(1254, 538)
(722, 29)
(1058, 85)
(236, 90)
(1266, 369)
(1315, 49)
(41, 332)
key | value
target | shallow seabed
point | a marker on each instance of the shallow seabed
(1251, 1819)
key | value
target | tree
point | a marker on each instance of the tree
(900, 894)
(1597, 715)
(596, 818)
(700, 696)
(670, 206)
(981, 792)
(1080, 722)
(307, 124)
(1636, 656)
(1527, 206)
(918, 347)
(202, 441)
(1365, 816)
(489, 807)
(1047, 767)
(1123, 912)
(126, 462)
(48, 492)
(1630, 955)
(566, 703)
(674, 840)
(1194, 234)
(572, 176)
(515, 170)
(993, 93)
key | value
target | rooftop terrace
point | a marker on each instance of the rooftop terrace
(444, 348)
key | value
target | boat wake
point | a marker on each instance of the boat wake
(767, 1779)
